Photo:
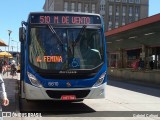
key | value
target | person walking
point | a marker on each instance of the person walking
(3, 94)
(13, 68)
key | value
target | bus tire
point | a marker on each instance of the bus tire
(21, 105)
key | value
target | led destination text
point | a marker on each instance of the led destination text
(64, 20)
(54, 59)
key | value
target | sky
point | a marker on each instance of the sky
(12, 12)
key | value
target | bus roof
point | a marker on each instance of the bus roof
(62, 12)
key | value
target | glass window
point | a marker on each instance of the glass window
(86, 8)
(103, 17)
(111, 0)
(66, 48)
(116, 26)
(124, 1)
(130, 10)
(130, 19)
(110, 18)
(136, 18)
(93, 8)
(137, 1)
(123, 19)
(102, 7)
(65, 6)
(137, 10)
(109, 26)
(131, 1)
(79, 7)
(117, 9)
(116, 19)
(72, 7)
(124, 9)
(51, 5)
(110, 9)
(118, 0)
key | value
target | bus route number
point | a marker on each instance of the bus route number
(53, 84)
(44, 19)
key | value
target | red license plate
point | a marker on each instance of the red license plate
(68, 97)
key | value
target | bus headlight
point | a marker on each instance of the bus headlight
(34, 80)
(100, 80)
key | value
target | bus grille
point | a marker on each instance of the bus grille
(66, 76)
(58, 93)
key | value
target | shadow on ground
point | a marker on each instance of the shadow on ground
(52, 108)
(136, 86)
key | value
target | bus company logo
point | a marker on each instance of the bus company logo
(68, 84)
(68, 72)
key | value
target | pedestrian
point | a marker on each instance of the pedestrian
(5, 67)
(135, 64)
(13, 68)
(3, 94)
(141, 64)
(151, 64)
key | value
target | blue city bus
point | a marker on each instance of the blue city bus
(63, 56)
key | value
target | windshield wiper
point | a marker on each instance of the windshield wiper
(79, 36)
(54, 32)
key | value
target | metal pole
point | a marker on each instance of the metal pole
(17, 44)
(9, 33)
(17, 47)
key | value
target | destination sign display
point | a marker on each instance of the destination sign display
(64, 19)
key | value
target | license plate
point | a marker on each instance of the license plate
(68, 97)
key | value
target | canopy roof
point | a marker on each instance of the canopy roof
(134, 35)
(2, 43)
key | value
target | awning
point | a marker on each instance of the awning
(2, 43)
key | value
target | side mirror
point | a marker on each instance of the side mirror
(22, 34)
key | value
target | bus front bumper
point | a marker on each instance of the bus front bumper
(35, 93)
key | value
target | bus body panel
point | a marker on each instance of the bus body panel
(31, 92)
(61, 83)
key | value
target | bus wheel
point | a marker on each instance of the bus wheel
(21, 105)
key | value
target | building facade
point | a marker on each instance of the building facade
(121, 12)
(115, 12)
(88, 6)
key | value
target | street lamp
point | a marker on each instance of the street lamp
(17, 44)
(9, 34)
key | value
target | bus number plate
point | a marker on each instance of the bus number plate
(68, 97)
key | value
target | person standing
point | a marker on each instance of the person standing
(3, 94)
(151, 64)
(141, 64)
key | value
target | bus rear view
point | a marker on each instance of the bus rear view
(63, 57)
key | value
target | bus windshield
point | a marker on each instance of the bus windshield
(64, 48)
